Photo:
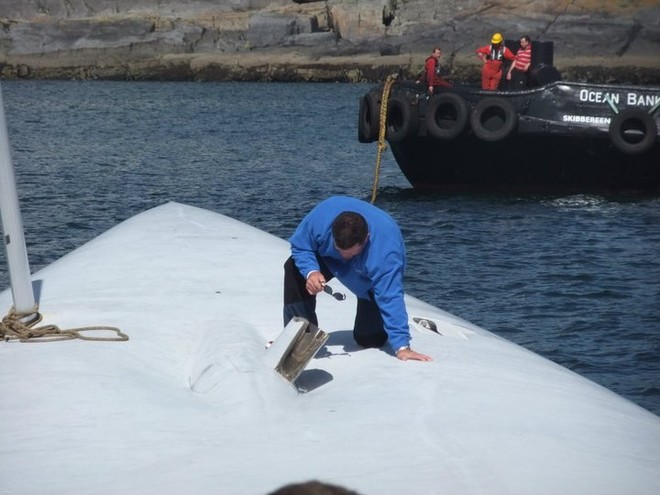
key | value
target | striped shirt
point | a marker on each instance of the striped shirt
(523, 58)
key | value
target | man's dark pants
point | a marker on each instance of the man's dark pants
(368, 330)
(518, 79)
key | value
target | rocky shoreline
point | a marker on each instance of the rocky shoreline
(288, 68)
(317, 41)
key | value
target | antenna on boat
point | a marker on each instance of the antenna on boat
(12, 226)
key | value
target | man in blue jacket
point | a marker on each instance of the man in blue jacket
(362, 246)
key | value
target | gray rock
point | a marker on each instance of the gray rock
(355, 40)
(319, 39)
(273, 29)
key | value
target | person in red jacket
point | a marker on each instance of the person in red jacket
(493, 56)
(432, 70)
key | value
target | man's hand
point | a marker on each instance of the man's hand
(315, 283)
(409, 354)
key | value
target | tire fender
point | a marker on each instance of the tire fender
(446, 116)
(402, 118)
(368, 118)
(493, 119)
(633, 131)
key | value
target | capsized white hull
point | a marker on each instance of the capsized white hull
(189, 404)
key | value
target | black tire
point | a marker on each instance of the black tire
(493, 119)
(446, 116)
(368, 119)
(364, 121)
(633, 131)
(402, 119)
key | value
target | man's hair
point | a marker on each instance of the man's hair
(349, 229)
(526, 38)
(313, 488)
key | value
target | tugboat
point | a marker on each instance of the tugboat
(552, 136)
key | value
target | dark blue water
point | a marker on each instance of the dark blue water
(574, 278)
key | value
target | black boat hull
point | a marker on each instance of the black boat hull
(532, 162)
(559, 137)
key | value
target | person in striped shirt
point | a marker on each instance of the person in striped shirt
(519, 69)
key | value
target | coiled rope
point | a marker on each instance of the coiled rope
(381, 132)
(21, 327)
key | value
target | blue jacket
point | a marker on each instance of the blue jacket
(378, 268)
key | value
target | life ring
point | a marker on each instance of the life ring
(402, 118)
(493, 119)
(633, 131)
(446, 116)
(368, 119)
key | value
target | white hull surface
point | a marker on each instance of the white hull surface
(189, 404)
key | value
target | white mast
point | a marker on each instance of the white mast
(12, 226)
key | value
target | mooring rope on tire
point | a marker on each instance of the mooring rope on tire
(381, 132)
(21, 326)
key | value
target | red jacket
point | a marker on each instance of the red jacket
(432, 71)
(496, 56)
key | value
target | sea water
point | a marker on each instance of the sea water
(574, 278)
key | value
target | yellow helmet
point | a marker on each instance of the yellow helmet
(497, 38)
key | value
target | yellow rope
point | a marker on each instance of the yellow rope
(381, 132)
(20, 326)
